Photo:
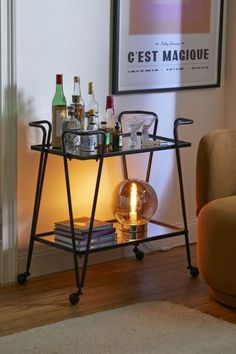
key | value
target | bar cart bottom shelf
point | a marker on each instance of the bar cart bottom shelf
(155, 231)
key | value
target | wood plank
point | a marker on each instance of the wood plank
(159, 276)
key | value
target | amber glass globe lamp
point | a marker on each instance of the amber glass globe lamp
(134, 204)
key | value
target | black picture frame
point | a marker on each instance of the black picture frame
(157, 60)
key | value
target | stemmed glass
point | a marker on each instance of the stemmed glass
(133, 124)
(148, 121)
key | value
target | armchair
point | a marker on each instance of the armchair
(216, 211)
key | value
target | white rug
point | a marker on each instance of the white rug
(152, 327)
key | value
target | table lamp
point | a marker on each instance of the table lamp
(134, 204)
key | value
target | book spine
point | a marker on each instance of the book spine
(94, 240)
(82, 225)
(84, 236)
(101, 239)
(83, 248)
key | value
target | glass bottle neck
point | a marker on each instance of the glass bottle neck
(77, 90)
(59, 98)
(59, 88)
(91, 97)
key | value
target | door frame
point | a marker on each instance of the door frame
(8, 151)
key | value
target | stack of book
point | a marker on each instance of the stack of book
(103, 234)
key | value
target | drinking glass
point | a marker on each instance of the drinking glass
(148, 121)
(133, 124)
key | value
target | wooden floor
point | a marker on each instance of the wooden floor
(159, 276)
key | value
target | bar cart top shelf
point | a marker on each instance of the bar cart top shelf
(157, 143)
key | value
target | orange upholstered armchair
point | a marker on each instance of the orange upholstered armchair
(216, 210)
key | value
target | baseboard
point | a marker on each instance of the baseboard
(47, 260)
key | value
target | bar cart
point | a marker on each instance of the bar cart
(155, 229)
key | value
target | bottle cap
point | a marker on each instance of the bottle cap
(91, 88)
(59, 79)
(109, 102)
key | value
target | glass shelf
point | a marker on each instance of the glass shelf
(164, 144)
(155, 230)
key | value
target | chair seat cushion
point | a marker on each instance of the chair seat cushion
(216, 245)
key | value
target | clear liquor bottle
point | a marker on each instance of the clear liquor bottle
(72, 141)
(78, 102)
(58, 112)
(92, 107)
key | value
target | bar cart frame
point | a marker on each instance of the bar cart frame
(158, 230)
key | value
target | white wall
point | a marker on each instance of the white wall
(73, 37)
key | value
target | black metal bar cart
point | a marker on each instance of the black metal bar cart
(155, 229)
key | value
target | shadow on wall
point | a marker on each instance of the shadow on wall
(9, 149)
(27, 171)
(54, 200)
(27, 163)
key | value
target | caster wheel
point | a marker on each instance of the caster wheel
(74, 298)
(194, 272)
(139, 255)
(21, 278)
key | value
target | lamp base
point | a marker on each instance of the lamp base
(135, 231)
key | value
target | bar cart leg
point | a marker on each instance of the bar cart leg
(138, 253)
(22, 277)
(99, 174)
(74, 297)
(181, 121)
(42, 124)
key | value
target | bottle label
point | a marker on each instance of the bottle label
(60, 115)
(79, 112)
(92, 112)
(88, 143)
(120, 141)
(116, 142)
(108, 138)
(108, 135)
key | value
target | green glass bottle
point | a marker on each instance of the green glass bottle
(58, 112)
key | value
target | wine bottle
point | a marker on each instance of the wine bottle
(78, 102)
(58, 112)
(92, 108)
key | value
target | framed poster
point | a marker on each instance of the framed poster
(166, 45)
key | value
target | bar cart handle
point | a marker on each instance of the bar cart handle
(177, 123)
(47, 132)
